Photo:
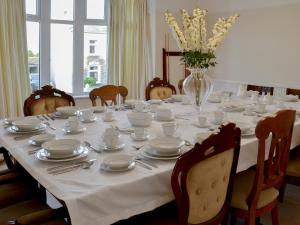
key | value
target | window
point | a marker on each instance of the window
(67, 44)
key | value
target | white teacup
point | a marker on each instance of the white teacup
(261, 107)
(202, 120)
(73, 123)
(254, 96)
(280, 104)
(169, 129)
(164, 113)
(249, 111)
(140, 106)
(219, 117)
(110, 138)
(108, 116)
(139, 132)
(268, 99)
(186, 100)
(88, 114)
(153, 108)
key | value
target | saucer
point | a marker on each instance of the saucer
(144, 138)
(261, 112)
(90, 120)
(109, 169)
(249, 113)
(250, 132)
(111, 120)
(206, 125)
(218, 122)
(164, 119)
(118, 147)
(79, 130)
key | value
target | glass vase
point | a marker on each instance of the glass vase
(197, 86)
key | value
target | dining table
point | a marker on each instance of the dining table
(95, 196)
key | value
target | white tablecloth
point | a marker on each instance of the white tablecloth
(96, 197)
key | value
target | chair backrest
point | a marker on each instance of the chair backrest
(159, 89)
(46, 100)
(260, 89)
(290, 91)
(202, 178)
(180, 86)
(274, 134)
(108, 93)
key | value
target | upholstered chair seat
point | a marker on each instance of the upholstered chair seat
(241, 189)
(30, 211)
(47, 105)
(161, 93)
(293, 168)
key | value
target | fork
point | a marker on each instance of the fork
(49, 125)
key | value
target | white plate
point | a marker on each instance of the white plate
(13, 131)
(152, 152)
(108, 169)
(233, 109)
(61, 146)
(155, 101)
(66, 156)
(146, 155)
(214, 100)
(39, 139)
(261, 112)
(201, 126)
(98, 109)
(166, 145)
(89, 121)
(249, 113)
(79, 130)
(251, 132)
(27, 124)
(42, 155)
(118, 162)
(164, 119)
(119, 147)
(59, 115)
(144, 138)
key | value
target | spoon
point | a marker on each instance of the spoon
(88, 144)
(83, 165)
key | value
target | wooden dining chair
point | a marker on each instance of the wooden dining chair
(108, 93)
(260, 89)
(180, 86)
(256, 191)
(159, 89)
(46, 101)
(290, 91)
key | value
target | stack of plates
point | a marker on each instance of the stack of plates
(118, 163)
(164, 148)
(61, 150)
(26, 126)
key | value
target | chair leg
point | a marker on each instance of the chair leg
(275, 216)
(281, 193)
(233, 218)
(7, 158)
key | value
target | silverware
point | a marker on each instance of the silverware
(46, 118)
(143, 164)
(26, 136)
(146, 162)
(31, 152)
(137, 147)
(83, 165)
(67, 165)
(88, 145)
(51, 116)
(49, 125)
(40, 117)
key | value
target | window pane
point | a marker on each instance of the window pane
(62, 56)
(31, 7)
(95, 9)
(33, 43)
(62, 10)
(94, 57)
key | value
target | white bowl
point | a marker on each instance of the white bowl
(139, 119)
(290, 98)
(61, 146)
(166, 145)
(41, 138)
(121, 161)
(178, 98)
(27, 124)
(155, 101)
(67, 110)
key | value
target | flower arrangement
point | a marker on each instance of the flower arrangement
(198, 51)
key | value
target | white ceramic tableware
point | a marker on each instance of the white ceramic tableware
(268, 99)
(139, 132)
(261, 107)
(254, 95)
(140, 106)
(177, 98)
(169, 129)
(43, 155)
(245, 127)
(153, 108)
(41, 138)
(289, 98)
(67, 110)
(249, 111)
(111, 137)
(27, 124)
(242, 91)
(186, 100)
(61, 146)
(118, 162)
(88, 114)
(73, 123)
(164, 113)
(218, 117)
(98, 109)
(280, 104)
(155, 101)
(108, 116)
(202, 121)
(139, 119)
(166, 145)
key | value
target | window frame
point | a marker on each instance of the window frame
(79, 21)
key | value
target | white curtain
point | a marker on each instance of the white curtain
(129, 57)
(14, 77)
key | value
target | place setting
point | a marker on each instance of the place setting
(111, 141)
(73, 126)
(88, 116)
(64, 112)
(164, 115)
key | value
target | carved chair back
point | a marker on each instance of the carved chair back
(274, 134)
(260, 89)
(202, 178)
(46, 100)
(108, 93)
(159, 89)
